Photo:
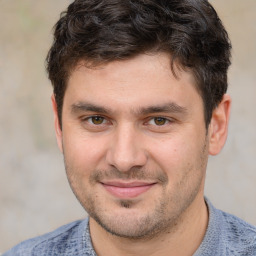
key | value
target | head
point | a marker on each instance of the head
(102, 31)
(139, 102)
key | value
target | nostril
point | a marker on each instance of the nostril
(124, 161)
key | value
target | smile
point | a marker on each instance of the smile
(127, 190)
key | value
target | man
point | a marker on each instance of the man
(140, 102)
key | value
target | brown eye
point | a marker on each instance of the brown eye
(160, 120)
(97, 120)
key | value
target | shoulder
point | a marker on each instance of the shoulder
(227, 235)
(65, 240)
(239, 236)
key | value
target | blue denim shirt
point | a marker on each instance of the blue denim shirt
(226, 235)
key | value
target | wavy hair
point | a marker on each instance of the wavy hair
(101, 31)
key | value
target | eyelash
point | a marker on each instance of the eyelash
(104, 120)
(87, 119)
(161, 119)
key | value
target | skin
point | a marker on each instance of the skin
(136, 148)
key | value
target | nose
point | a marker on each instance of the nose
(126, 150)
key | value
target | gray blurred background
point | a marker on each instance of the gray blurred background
(34, 194)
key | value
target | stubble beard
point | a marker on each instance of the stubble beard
(165, 216)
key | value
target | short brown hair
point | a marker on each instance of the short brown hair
(102, 31)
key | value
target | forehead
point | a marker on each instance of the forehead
(143, 79)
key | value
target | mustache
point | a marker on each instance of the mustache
(132, 174)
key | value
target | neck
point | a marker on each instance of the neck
(183, 239)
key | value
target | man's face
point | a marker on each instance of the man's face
(135, 144)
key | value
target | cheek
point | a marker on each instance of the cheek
(83, 152)
(178, 154)
(170, 152)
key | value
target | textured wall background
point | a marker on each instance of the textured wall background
(34, 194)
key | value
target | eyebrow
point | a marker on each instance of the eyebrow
(170, 107)
(85, 107)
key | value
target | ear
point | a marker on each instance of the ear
(218, 129)
(58, 131)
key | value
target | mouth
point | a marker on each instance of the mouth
(126, 190)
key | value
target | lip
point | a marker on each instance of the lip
(127, 189)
